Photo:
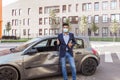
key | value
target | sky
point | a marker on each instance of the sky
(6, 2)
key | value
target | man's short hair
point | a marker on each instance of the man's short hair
(65, 24)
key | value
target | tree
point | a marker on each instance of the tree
(94, 27)
(114, 27)
(54, 21)
(68, 22)
(8, 27)
(83, 25)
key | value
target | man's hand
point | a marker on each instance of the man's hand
(70, 44)
(58, 42)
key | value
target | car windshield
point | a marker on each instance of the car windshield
(24, 46)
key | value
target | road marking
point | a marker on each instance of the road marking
(108, 57)
(118, 54)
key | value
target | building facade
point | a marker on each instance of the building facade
(30, 18)
(0, 19)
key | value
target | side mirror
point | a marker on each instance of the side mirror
(32, 51)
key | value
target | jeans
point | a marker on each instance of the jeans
(72, 66)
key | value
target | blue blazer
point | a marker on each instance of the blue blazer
(63, 46)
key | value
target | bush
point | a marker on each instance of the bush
(10, 37)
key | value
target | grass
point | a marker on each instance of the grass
(91, 39)
(10, 40)
(104, 39)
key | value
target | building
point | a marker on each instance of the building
(32, 18)
(0, 19)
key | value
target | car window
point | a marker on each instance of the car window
(53, 42)
(42, 44)
(80, 44)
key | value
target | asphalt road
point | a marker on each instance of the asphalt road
(109, 69)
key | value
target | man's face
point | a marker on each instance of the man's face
(65, 29)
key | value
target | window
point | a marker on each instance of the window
(46, 20)
(54, 31)
(29, 11)
(77, 31)
(97, 32)
(28, 21)
(12, 22)
(105, 31)
(41, 44)
(64, 19)
(16, 22)
(64, 8)
(40, 10)
(45, 31)
(15, 31)
(80, 44)
(19, 12)
(112, 17)
(96, 18)
(23, 21)
(40, 21)
(51, 32)
(20, 22)
(89, 32)
(96, 6)
(73, 19)
(28, 33)
(53, 42)
(69, 8)
(105, 18)
(89, 19)
(40, 31)
(86, 6)
(115, 17)
(12, 31)
(119, 4)
(48, 9)
(105, 5)
(89, 6)
(56, 20)
(76, 7)
(113, 4)
(83, 7)
(13, 11)
(24, 32)
(119, 33)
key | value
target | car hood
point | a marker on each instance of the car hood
(5, 52)
(13, 57)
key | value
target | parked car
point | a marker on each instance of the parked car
(39, 57)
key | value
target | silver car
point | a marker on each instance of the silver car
(39, 57)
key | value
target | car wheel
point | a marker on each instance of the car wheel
(8, 73)
(88, 67)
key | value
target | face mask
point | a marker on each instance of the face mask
(65, 30)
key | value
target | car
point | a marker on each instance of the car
(39, 58)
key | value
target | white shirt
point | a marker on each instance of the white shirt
(66, 38)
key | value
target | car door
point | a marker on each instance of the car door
(43, 63)
(79, 48)
(78, 52)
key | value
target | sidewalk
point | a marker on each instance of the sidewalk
(8, 45)
(104, 44)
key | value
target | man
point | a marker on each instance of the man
(66, 41)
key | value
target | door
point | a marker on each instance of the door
(43, 63)
(78, 52)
